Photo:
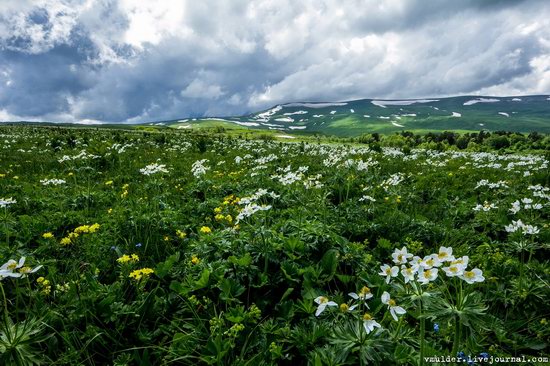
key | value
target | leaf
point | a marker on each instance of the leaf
(244, 261)
(165, 267)
(329, 263)
(230, 289)
(202, 282)
(236, 314)
(180, 288)
(345, 278)
(286, 294)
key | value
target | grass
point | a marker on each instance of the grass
(199, 247)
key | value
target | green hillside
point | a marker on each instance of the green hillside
(353, 118)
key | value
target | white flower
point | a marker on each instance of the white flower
(530, 230)
(12, 265)
(400, 256)
(153, 169)
(389, 272)
(527, 202)
(367, 198)
(475, 275)
(4, 202)
(426, 276)
(462, 261)
(55, 182)
(16, 269)
(415, 261)
(454, 270)
(408, 273)
(394, 309)
(364, 294)
(369, 323)
(516, 207)
(445, 254)
(199, 168)
(251, 209)
(430, 261)
(519, 225)
(323, 303)
(485, 207)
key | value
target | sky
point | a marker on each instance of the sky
(151, 60)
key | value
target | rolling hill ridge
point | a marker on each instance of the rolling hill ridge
(353, 118)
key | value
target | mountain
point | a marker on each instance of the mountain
(353, 118)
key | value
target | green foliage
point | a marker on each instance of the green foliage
(212, 249)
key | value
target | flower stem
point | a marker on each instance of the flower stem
(422, 333)
(457, 336)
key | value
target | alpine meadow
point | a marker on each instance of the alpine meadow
(145, 248)
(274, 182)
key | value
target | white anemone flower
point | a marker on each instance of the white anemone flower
(462, 261)
(11, 267)
(454, 270)
(408, 273)
(394, 309)
(427, 276)
(5, 202)
(475, 275)
(430, 261)
(16, 269)
(445, 254)
(323, 303)
(401, 256)
(363, 295)
(389, 272)
(369, 323)
(415, 261)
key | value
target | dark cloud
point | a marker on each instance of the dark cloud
(121, 60)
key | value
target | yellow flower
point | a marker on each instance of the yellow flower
(205, 230)
(128, 258)
(166, 238)
(229, 218)
(124, 194)
(219, 217)
(181, 234)
(124, 259)
(195, 260)
(138, 274)
(65, 241)
(218, 210)
(93, 228)
(72, 236)
(47, 235)
(110, 211)
(109, 183)
(82, 229)
(70, 174)
(40, 279)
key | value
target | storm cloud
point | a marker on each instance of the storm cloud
(139, 61)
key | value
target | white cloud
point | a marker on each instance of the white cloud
(130, 60)
(200, 89)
